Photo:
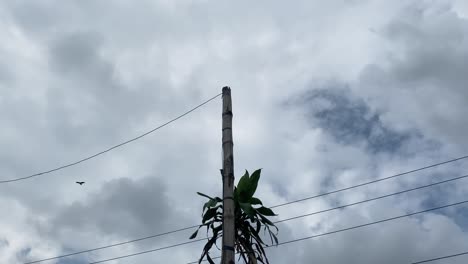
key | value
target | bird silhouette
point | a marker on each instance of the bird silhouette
(80, 183)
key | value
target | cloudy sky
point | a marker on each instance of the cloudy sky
(326, 95)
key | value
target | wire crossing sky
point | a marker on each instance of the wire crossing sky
(439, 258)
(327, 97)
(111, 148)
(360, 226)
(290, 241)
(279, 221)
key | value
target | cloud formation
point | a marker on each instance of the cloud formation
(325, 96)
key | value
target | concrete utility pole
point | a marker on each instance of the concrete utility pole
(227, 256)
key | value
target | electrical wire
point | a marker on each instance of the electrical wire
(112, 245)
(363, 225)
(371, 182)
(439, 258)
(339, 207)
(279, 221)
(148, 251)
(373, 223)
(373, 199)
(109, 149)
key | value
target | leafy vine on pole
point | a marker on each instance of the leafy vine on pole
(250, 217)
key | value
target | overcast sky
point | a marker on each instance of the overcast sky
(326, 95)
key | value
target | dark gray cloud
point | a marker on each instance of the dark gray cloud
(122, 209)
(36, 17)
(122, 206)
(23, 253)
(4, 243)
(79, 53)
(349, 120)
(88, 84)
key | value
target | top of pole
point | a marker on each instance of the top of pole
(226, 90)
(227, 104)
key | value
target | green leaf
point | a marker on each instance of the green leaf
(206, 249)
(258, 226)
(211, 203)
(209, 259)
(218, 228)
(204, 195)
(243, 187)
(209, 214)
(254, 200)
(260, 249)
(248, 209)
(254, 182)
(265, 211)
(255, 233)
(266, 221)
(274, 237)
(194, 234)
(244, 196)
(248, 220)
(271, 237)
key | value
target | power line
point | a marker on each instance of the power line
(364, 225)
(373, 223)
(339, 207)
(111, 148)
(439, 258)
(373, 199)
(113, 245)
(279, 221)
(148, 251)
(370, 182)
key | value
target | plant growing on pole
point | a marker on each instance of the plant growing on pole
(250, 218)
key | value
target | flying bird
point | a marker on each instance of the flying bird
(80, 183)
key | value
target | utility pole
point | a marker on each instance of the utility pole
(227, 255)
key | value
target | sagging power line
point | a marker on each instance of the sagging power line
(364, 225)
(279, 221)
(371, 182)
(111, 148)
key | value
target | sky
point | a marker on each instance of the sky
(325, 94)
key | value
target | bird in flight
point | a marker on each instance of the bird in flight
(80, 183)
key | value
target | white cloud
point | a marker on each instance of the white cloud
(78, 77)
